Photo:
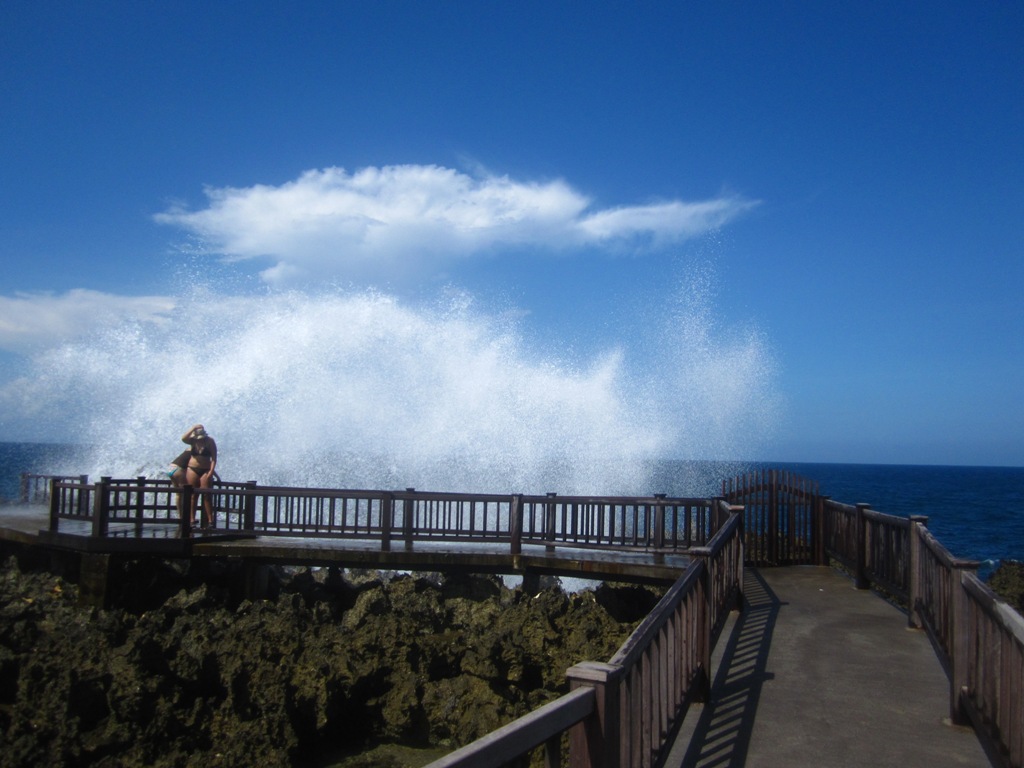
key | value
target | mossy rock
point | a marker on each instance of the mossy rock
(331, 664)
(1007, 581)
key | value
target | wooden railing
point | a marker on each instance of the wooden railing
(621, 713)
(876, 548)
(138, 501)
(991, 680)
(35, 489)
(630, 704)
(652, 523)
(783, 516)
(978, 637)
(980, 640)
(656, 523)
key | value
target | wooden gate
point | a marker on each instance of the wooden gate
(782, 519)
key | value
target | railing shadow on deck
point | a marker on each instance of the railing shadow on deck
(721, 735)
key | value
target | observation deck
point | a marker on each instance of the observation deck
(739, 665)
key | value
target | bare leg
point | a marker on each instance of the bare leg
(207, 482)
(177, 481)
(191, 478)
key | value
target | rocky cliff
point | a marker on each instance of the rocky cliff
(181, 672)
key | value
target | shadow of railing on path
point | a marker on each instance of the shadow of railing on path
(721, 736)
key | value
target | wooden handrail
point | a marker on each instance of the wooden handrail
(627, 722)
(525, 734)
(607, 522)
(638, 642)
(35, 488)
(990, 689)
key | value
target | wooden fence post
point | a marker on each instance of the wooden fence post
(249, 514)
(140, 495)
(408, 518)
(101, 507)
(959, 660)
(596, 742)
(773, 517)
(704, 622)
(860, 575)
(917, 523)
(54, 505)
(819, 529)
(659, 526)
(185, 511)
(24, 487)
(515, 523)
(387, 511)
(740, 511)
(790, 556)
(83, 480)
(549, 521)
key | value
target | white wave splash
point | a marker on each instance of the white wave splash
(357, 389)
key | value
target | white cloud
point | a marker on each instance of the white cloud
(665, 221)
(29, 320)
(404, 219)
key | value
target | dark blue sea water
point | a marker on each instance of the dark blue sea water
(40, 458)
(976, 512)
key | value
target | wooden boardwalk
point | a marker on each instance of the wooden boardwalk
(817, 673)
(812, 673)
(28, 524)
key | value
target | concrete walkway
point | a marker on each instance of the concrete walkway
(817, 673)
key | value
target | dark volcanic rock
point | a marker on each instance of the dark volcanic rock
(180, 673)
(1007, 581)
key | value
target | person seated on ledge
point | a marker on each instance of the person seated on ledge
(178, 470)
(201, 466)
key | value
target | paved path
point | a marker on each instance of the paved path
(817, 673)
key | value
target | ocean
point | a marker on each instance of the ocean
(976, 512)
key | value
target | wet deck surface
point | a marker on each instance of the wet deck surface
(28, 524)
(818, 673)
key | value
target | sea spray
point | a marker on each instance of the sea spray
(358, 389)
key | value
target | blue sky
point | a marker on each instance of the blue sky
(850, 175)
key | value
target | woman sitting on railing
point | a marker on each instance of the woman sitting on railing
(178, 470)
(201, 466)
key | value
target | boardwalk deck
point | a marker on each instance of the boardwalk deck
(813, 672)
(818, 673)
(28, 525)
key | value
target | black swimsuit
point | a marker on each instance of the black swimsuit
(204, 451)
